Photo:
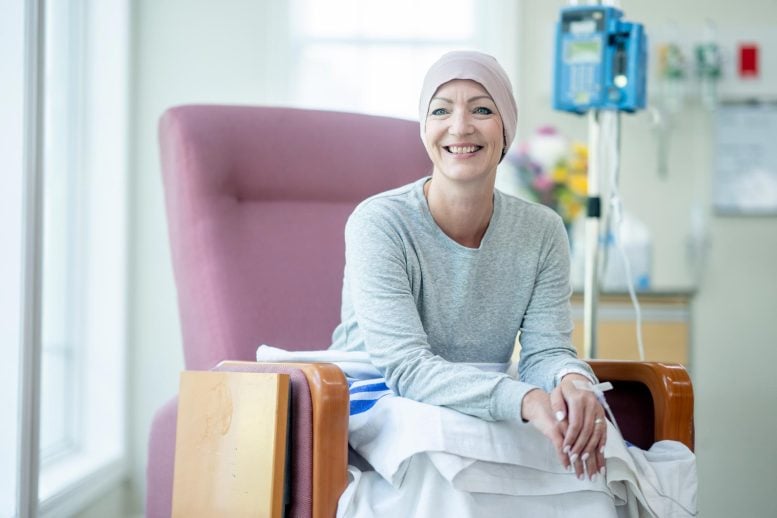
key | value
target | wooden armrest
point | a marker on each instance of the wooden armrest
(671, 390)
(329, 398)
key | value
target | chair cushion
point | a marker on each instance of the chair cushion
(632, 405)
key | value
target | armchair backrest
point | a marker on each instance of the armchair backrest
(257, 200)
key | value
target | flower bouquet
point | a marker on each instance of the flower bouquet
(553, 171)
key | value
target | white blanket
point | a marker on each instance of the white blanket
(434, 461)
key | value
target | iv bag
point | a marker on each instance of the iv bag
(637, 244)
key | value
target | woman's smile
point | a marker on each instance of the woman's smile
(462, 149)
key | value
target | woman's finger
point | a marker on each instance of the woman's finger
(557, 439)
(594, 460)
(581, 415)
(575, 429)
(586, 429)
(575, 417)
(537, 410)
(600, 448)
(558, 405)
(559, 408)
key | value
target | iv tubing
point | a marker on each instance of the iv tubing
(615, 218)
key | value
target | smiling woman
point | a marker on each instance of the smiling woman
(443, 273)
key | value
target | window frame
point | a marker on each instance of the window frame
(15, 105)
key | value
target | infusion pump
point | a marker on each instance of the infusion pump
(600, 61)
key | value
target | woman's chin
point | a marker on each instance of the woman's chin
(461, 173)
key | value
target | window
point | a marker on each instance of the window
(84, 252)
(82, 256)
(370, 56)
(63, 286)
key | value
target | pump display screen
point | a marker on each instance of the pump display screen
(582, 26)
(583, 51)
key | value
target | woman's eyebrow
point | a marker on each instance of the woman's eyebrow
(470, 100)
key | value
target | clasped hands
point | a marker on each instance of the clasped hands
(574, 421)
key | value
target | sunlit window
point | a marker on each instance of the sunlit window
(370, 56)
(63, 210)
(83, 237)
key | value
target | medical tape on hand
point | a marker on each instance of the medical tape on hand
(598, 391)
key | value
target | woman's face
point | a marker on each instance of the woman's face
(463, 133)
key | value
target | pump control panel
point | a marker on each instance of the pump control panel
(600, 62)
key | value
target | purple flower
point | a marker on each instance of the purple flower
(542, 183)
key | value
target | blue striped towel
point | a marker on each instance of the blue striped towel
(365, 393)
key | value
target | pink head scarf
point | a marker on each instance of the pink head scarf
(478, 67)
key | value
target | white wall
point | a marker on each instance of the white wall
(225, 52)
(184, 52)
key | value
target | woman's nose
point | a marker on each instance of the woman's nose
(461, 123)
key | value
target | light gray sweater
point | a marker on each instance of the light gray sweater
(421, 304)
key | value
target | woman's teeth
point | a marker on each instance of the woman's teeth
(457, 150)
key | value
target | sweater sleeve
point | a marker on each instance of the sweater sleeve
(546, 347)
(380, 289)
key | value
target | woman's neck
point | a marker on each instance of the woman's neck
(462, 212)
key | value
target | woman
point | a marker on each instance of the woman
(445, 272)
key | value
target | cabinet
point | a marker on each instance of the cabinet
(665, 326)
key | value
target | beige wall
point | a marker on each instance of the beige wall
(188, 51)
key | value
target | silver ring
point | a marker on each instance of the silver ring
(598, 420)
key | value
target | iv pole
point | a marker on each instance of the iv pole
(597, 162)
(602, 157)
(625, 47)
(593, 212)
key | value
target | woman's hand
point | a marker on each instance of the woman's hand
(583, 424)
(536, 409)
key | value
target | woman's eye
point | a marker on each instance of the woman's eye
(438, 111)
(482, 110)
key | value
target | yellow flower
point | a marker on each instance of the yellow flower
(578, 184)
(559, 174)
(575, 210)
(578, 148)
(578, 164)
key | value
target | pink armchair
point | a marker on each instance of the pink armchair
(257, 199)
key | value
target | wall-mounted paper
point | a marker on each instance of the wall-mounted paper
(746, 159)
